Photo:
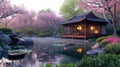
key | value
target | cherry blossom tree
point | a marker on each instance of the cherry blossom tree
(37, 22)
(7, 12)
(48, 20)
(106, 7)
(23, 21)
(5, 21)
(6, 9)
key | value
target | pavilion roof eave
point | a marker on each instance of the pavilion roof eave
(98, 20)
(70, 22)
(88, 16)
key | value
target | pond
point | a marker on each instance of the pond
(51, 50)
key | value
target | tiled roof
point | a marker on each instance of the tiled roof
(87, 16)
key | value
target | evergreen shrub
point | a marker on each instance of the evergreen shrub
(6, 30)
(102, 60)
(112, 48)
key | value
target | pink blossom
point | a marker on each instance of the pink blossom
(112, 40)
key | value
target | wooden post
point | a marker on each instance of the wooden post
(85, 34)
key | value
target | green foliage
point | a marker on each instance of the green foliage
(61, 30)
(6, 30)
(48, 65)
(71, 65)
(42, 65)
(112, 49)
(68, 65)
(56, 65)
(18, 31)
(29, 30)
(69, 9)
(45, 33)
(99, 40)
(109, 30)
(68, 60)
(118, 31)
(73, 53)
(102, 60)
(19, 50)
(92, 39)
(17, 46)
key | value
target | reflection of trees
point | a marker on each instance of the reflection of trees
(42, 53)
(46, 53)
(29, 59)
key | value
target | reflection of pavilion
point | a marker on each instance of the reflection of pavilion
(84, 26)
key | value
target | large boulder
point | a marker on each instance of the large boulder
(1, 50)
(96, 51)
(95, 46)
(5, 38)
(15, 39)
(6, 47)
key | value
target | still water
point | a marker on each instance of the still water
(47, 50)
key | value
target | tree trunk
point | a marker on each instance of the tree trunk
(114, 21)
(6, 25)
(114, 28)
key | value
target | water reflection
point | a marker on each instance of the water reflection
(43, 53)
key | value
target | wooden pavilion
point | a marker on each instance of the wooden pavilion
(84, 26)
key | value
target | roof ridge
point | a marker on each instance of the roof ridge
(90, 16)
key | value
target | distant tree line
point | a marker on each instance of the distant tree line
(27, 22)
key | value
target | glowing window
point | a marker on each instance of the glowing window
(96, 31)
(92, 27)
(79, 27)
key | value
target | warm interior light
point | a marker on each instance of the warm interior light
(96, 31)
(65, 48)
(79, 50)
(92, 27)
(79, 27)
